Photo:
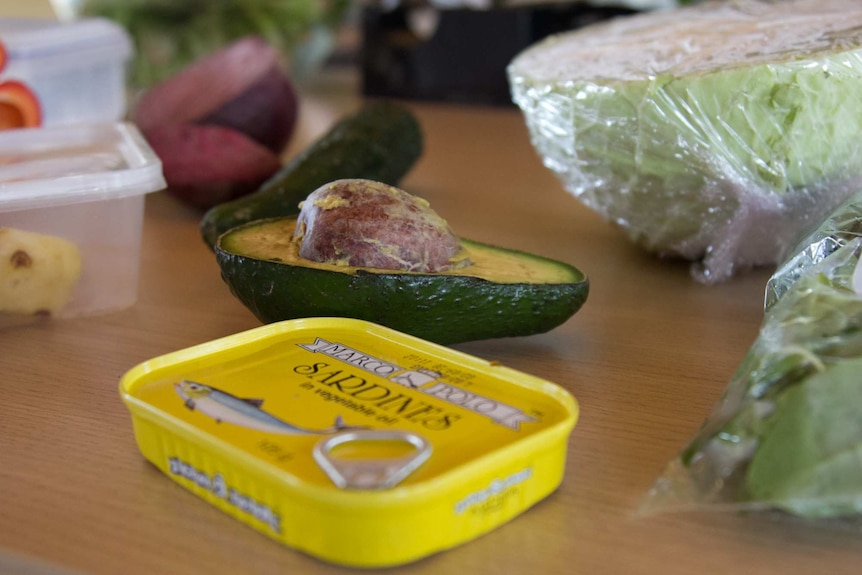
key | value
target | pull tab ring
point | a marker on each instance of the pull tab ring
(374, 472)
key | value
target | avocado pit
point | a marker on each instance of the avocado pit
(364, 223)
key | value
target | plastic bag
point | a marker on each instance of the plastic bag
(787, 433)
(716, 133)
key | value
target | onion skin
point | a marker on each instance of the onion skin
(220, 124)
(207, 165)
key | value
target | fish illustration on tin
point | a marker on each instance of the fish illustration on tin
(224, 407)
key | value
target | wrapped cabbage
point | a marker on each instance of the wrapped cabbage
(716, 133)
(787, 434)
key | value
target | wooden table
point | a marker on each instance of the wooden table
(646, 357)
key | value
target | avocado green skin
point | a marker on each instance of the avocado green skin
(445, 309)
(380, 142)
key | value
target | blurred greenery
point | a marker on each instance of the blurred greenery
(170, 34)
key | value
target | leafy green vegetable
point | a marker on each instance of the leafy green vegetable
(787, 433)
(810, 456)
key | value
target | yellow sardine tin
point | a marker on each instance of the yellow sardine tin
(338, 437)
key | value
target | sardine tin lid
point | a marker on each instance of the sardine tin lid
(338, 437)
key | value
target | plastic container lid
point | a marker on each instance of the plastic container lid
(353, 442)
(48, 43)
(55, 166)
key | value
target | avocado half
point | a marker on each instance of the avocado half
(504, 293)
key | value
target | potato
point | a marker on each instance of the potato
(38, 272)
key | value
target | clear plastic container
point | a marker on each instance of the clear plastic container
(71, 214)
(75, 71)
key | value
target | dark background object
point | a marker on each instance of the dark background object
(465, 58)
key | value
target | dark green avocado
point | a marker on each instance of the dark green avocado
(381, 141)
(503, 293)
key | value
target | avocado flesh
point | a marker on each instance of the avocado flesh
(504, 293)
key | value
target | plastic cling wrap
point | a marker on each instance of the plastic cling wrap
(787, 434)
(838, 230)
(714, 133)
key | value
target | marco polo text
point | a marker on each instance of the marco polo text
(352, 388)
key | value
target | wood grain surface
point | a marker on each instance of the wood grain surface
(646, 357)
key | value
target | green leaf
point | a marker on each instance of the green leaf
(810, 458)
